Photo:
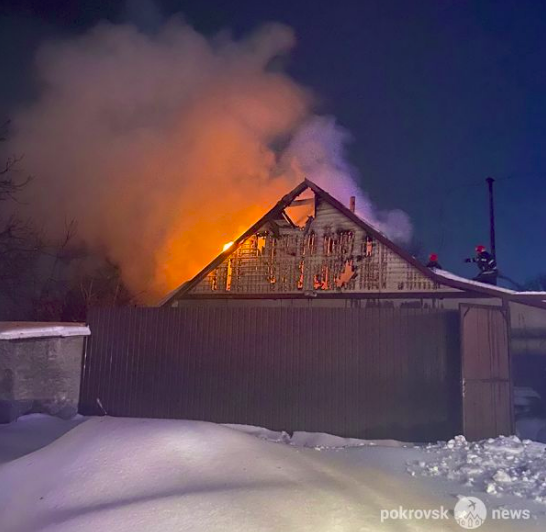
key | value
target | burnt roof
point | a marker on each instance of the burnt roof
(452, 281)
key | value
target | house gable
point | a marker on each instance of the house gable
(330, 253)
(329, 250)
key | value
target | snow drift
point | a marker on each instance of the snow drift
(159, 475)
(498, 466)
(134, 475)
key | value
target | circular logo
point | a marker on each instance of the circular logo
(470, 512)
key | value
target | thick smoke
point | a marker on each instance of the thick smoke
(317, 151)
(162, 146)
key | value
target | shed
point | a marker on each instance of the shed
(40, 368)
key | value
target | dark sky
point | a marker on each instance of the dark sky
(438, 94)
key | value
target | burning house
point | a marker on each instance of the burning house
(314, 320)
(309, 247)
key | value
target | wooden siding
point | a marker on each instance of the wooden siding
(368, 372)
(332, 254)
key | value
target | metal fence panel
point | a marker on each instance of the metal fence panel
(361, 372)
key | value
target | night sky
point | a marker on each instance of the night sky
(437, 94)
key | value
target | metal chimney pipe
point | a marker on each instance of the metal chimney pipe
(352, 204)
(492, 239)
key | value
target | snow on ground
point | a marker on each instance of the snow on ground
(315, 440)
(503, 465)
(319, 441)
(17, 330)
(117, 475)
(30, 433)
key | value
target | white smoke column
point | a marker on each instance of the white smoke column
(318, 152)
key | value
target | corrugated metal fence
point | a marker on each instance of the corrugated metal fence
(370, 372)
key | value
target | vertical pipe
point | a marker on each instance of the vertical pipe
(490, 182)
(352, 204)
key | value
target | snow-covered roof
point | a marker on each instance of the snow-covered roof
(16, 330)
(453, 277)
(490, 289)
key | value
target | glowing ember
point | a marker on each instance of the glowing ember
(227, 246)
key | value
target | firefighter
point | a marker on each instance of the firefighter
(487, 265)
(433, 261)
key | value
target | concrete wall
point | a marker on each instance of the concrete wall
(40, 375)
